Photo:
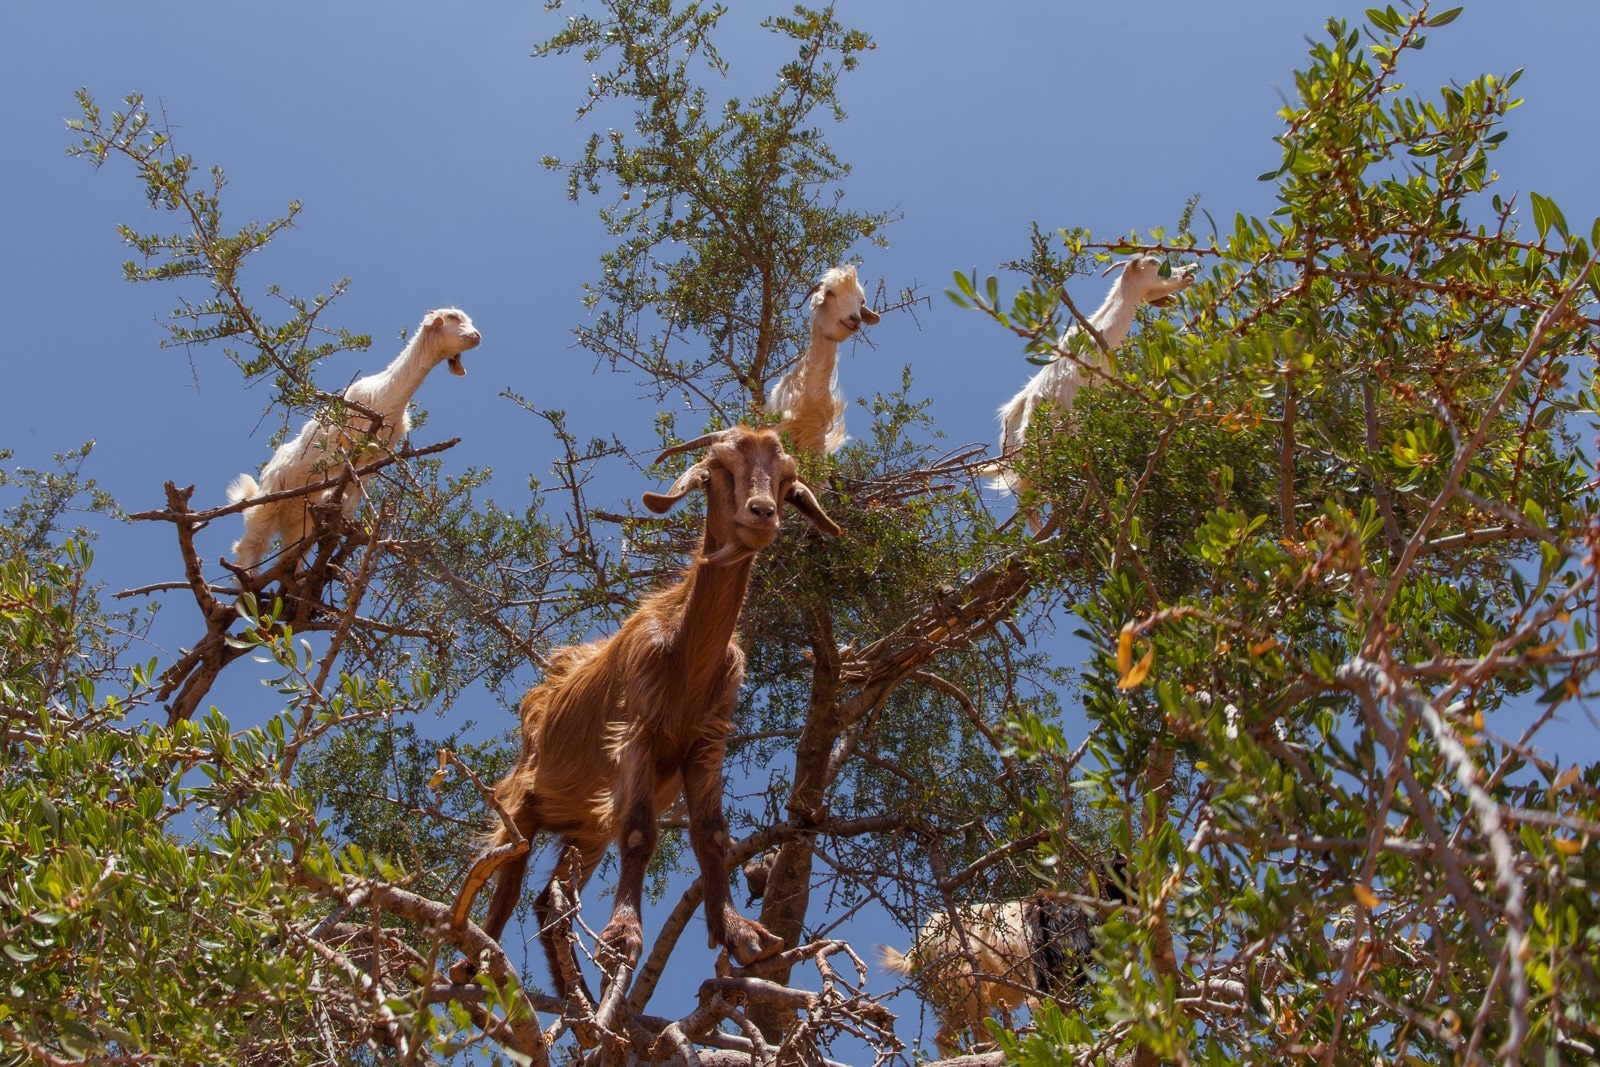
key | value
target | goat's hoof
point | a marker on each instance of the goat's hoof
(462, 972)
(750, 942)
(619, 945)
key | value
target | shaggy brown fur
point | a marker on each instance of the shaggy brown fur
(624, 724)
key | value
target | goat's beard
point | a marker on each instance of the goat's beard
(729, 554)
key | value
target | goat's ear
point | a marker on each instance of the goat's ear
(430, 320)
(690, 480)
(869, 316)
(805, 502)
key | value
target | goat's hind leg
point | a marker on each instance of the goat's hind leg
(251, 548)
(555, 909)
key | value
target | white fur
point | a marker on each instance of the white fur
(322, 444)
(997, 938)
(1140, 283)
(807, 399)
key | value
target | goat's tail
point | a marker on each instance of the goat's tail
(1015, 415)
(896, 962)
(1002, 477)
(243, 488)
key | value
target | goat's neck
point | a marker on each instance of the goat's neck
(713, 598)
(816, 368)
(392, 388)
(1115, 317)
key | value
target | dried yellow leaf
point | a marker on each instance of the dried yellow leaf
(1264, 646)
(1138, 671)
(1566, 845)
(1368, 898)
(1565, 779)
(1125, 649)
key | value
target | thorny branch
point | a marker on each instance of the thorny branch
(299, 595)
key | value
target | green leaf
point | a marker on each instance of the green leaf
(1546, 215)
(1443, 18)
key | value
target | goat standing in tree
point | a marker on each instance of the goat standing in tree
(323, 444)
(622, 725)
(807, 399)
(1003, 954)
(1141, 283)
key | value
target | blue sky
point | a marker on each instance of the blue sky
(412, 133)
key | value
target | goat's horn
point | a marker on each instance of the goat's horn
(699, 442)
(1118, 265)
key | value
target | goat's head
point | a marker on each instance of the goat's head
(447, 333)
(839, 304)
(747, 478)
(1142, 277)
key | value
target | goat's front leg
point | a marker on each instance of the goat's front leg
(746, 939)
(622, 940)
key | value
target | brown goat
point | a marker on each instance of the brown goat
(622, 725)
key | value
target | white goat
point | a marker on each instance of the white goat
(1019, 950)
(1141, 282)
(807, 399)
(323, 444)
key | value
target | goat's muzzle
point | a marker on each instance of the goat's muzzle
(761, 510)
(471, 340)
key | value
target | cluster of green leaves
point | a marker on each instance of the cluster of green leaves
(1335, 595)
(153, 878)
(723, 209)
(200, 249)
(124, 923)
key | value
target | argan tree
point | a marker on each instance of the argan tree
(1326, 530)
(1338, 598)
